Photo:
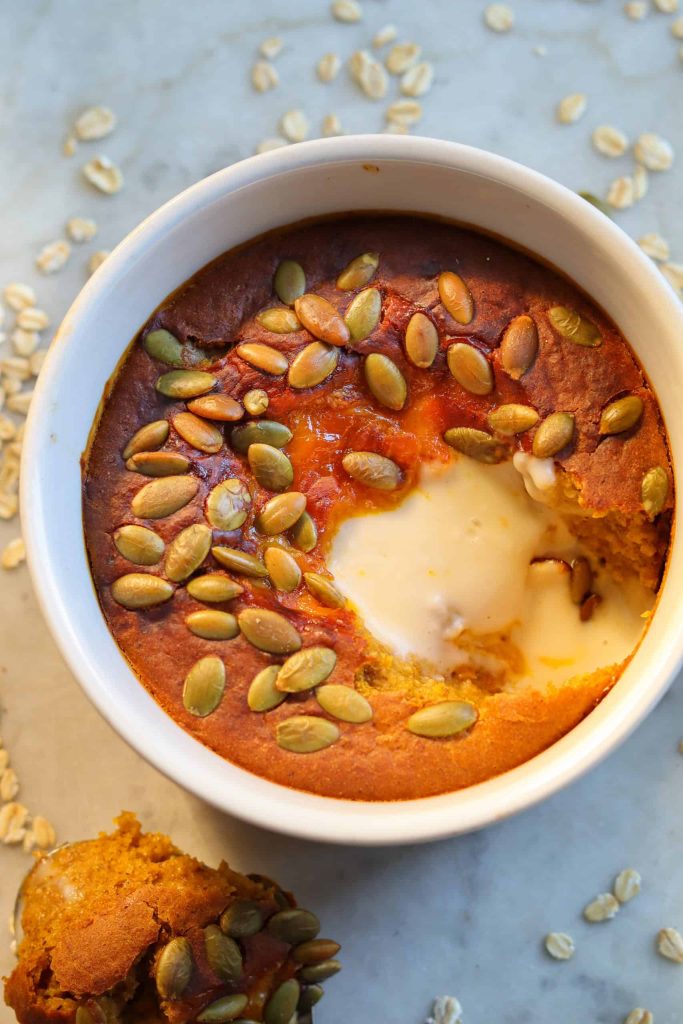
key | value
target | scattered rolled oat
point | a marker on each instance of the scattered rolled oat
(560, 945)
(445, 1010)
(347, 11)
(677, 28)
(69, 146)
(13, 554)
(328, 67)
(43, 833)
(655, 246)
(670, 944)
(274, 142)
(97, 259)
(418, 79)
(641, 182)
(609, 141)
(571, 108)
(33, 319)
(666, 6)
(271, 47)
(264, 76)
(19, 296)
(15, 366)
(396, 128)
(639, 1016)
(636, 10)
(385, 35)
(404, 112)
(9, 785)
(627, 885)
(35, 362)
(331, 126)
(373, 80)
(95, 123)
(81, 229)
(7, 430)
(24, 342)
(673, 272)
(9, 505)
(52, 257)
(622, 193)
(13, 818)
(104, 175)
(499, 17)
(653, 152)
(401, 57)
(20, 402)
(602, 908)
(294, 125)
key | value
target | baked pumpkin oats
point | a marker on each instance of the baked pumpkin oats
(378, 507)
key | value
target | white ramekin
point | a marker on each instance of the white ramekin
(355, 173)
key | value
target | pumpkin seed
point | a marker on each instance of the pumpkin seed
(654, 490)
(147, 438)
(165, 347)
(228, 504)
(268, 631)
(139, 545)
(321, 319)
(158, 463)
(588, 607)
(470, 367)
(242, 919)
(304, 533)
(283, 569)
(224, 1009)
(270, 466)
(280, 512)
(621, 415)
(197, 432)
(315, 950)
(477, 444)
(294, 926)
(204, 686)
(321, 971)
(519, 346)
(312, 365)
(363, 314)
(456, 297)
(306, 669)
(140, 590)
(385, 380)
(574, 327)
(212, 625)
(281, 1006)
(163, 497)
(214, 588)
(223, 954)
(310, 997)
(263, 357)
(446, 718)
(344, 703)
(422, 341)
(373, 470)
(185, 383)
(512, 419)
(278, 320)
(324, 590)
(358, 272)
(216, 407)
(174, 968)
(239, 561)
(187, 551)
(580, 579)
(305, 734)
(263, 695)
(277, 435)
(553, 434)
(256, 401)
(289, 281)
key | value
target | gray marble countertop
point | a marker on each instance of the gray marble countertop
(466, 916)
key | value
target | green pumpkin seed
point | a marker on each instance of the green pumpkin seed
(280, 512)
(294, 926)
(358, 272)
(519, 346)
(263, 357)
(147, 438)
(239, 561)
(553, 434)
(263, 695)
(283, 569)
(185, 383)
(422, 341)
(320, 972)
(268, 631)
(304, 533)
(204, 686)
(163, 497)
(277, 435)
(574, 327)
(158, 463)
(270, 466)
(310, 997)
(140, 590)
(598, 203)
(312, 365)
(242, 919)
(470, 367)
(306, 669)
(278, 320)
(165, 347)
(139, 545)
(456, 297)
(621, 415)
(281, 1006)
(227, 1008)
(214, 588)
(324, 590)
(306, 734)
(446, 718)
(174, 968)
(315, 951)
(187, 551)
(363, 314)
(256, 401)
(228, 504)
(580, 580)
(216, 407)
(476, 444)
(212, 625)
(289, 283)
(512, 418)
(197, 432)
(321, 319)
(654, 491)
(223, 954)
(373, 470)
(344, 703)
(385, 380)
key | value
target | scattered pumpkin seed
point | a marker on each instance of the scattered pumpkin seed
(214, 588)
(312, 365)
(277, 435)
(223, 954)
(373, 470)
(306, 669)
(281, 1006)
(283, 569)
(278, 320)
(224, 1009)
(187, 551)
(147, 438)
(363, 314)
(512, 418)
(621, 415)
(654, 490)
(270, 466)
(138, 544)
(239, 561)
(268, 631)
(344, 703)
(289, 281)
(421, 341)
(210, 624)
(242, 919)
(203, 436)
(263, 694)
(165, 347)
(304, 534)
(321, 971)
(140, 590)
(324, 590)
(447, 718)
(456, 297)
(315, 951)
(574, 327)
(470, 367)
(280, 512)
(476, 444)
(158, 463)
(163, 497)
(185, 383)
(216, 407)
(321, 319)
(553, 434)
(580, 579)
(306, 734)
(310, 997)
(228, 504)
(204, 686)
(358, 272)
(385, 380)
(174, 968)
(294, 926)
(256, 401)
(519, 346)
(263, 357)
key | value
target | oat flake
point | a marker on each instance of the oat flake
(13, 818)
(19, 296)
(43, 833)
(641, 182)
(24, 342)
(264, 76)
(358, 61)
(499, 17)
(104, 175)
(404, 112)
(609, 141)
(677, 28)
(418, 80)
(670, 944)
(560, 945)
(373, 80)
(602, 908)
(571, 108)
(653, 152)
(95, 123)
(9, 784)
(274, 142)
(401, 57)
(639, 1016)
(328, 67)
(52, 257)
(97, 259)
(294, 125)
(9, 506)
(33, 319)
(385, 35)
(446, 1010)
(331, 126)
(666, 6)
(20, 402)
(81, 229)
(347, 11)
(69, 146)
(627, 885)
(636, 10)
(35, 362)
(621, 194)
(271, 47)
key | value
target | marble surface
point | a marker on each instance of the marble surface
(465, 916)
